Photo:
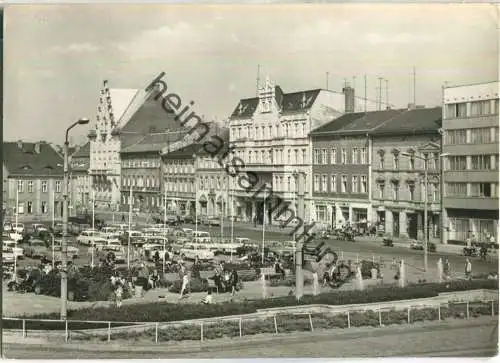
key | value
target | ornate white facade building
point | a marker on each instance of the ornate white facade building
(270, 133)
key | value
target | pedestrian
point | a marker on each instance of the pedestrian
(185, 280)
(468, 269)
(234, 282)
(118, 292)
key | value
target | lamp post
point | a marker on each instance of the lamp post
(64, 246)
(195, 196)
(164, 223)
(425, 159)
(232, 213)
(129, 225)
(264, 227)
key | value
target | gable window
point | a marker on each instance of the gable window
(355, 184)
(333, 184)
(333, 156)
(344, 156)
(20, 186)
(30, 186)
(44, 186)
(344, 184)
(58, 186)
(355, 156)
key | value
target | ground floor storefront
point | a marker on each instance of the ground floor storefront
(478, 225)
(339, 213)
(408, 223)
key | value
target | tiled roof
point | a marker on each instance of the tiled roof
(153, 142)
(337, 123)
(186, 152)
(288, 102)
(21, 158)
(419, 120)
(149, 118)
(83, 152)
(221, 132)
(371, 120)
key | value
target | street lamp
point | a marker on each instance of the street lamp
(64, 246)
(195, 196)
(425, 159)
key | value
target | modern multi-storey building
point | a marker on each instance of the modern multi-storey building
(341, 167)
(470, 146)
(270, 133)
(33, 175)
(79, 166)
(399, 147)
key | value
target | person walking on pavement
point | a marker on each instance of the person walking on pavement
(468, 269)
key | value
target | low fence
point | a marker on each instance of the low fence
(244, 325)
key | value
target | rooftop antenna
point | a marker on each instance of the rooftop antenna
(387, 93)
(354, 82)
(327, 76)
(258, 79)
(379, 88)
(365, 93)
(414, 86)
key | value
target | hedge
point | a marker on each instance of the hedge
(165, 312)
(287, 323)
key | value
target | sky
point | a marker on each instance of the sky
(56, 56)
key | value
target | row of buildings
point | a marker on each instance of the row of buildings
(331, 156)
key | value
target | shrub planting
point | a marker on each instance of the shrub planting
(195, 285)
(286, 323)
(165, 312)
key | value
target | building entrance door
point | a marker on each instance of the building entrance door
(395, 224)
(412, 220)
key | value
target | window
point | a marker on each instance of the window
(434, 192)
(344, 156)
(296, 153)
(457, 162)
(395, 190)
(324, 156)
(381, 190)
(355, 184)
(304, 156)
(456, 189)
(30, 207)
(411, 162)
(321, 213)
(20, 186)
(324, 183)
(289, 157)
(44, 207)
(364, 184)
(480, 135)
(44, 186)
(395, 162)
(20, 208)
(355, 155)
(456, 137)
(317, 156)
(382, 160)
(455, 110)
(364, 153)
(30, 186)
(333, 156)
(58, 186)
(481, 162)
(316, 183)
(344, 184)
(333, 184)
(480, 190)
(411, 189)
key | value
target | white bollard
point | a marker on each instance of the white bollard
(264, 286)
(402, 274)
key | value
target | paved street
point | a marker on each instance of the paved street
(455, 338)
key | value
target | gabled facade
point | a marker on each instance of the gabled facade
(33, 174)
(270, 133)
(79, 166)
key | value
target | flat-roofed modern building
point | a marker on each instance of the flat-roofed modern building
(470, 146)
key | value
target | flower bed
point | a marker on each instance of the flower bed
(165, 312)
(286, 323)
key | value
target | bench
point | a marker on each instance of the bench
(269, 273)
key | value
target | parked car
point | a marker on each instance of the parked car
(38, 227)
(36, 248)
(214, 221)
(8, 256)
(18, 251)
(189, 219)
(87, 237)
(18, 227)
(193, 251)
(419, 245)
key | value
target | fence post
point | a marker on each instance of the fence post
(201, 331)
(467, 306)
(492, 307)
(66, 331)
(439, 312)
(311, 322)
(275, 324)
(109, 331)
(409, 315)
(241, 326)
(156, 332)
(348, 319)
(24, 328)
(380, 317)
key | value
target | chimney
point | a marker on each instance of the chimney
(349, 97)
(37, 148)
(20, 144)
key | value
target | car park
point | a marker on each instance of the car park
(18, 251)
(36, 248)
(193, 251)
(18, 227)
(87, 237)
(8, 256)
(213, 221)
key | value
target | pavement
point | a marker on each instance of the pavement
(453, 338)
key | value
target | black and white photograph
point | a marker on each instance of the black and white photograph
(274, 180)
